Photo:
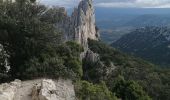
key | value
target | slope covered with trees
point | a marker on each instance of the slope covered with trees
(149, 43)
(130, 75)
(34, 48)
(32, 42)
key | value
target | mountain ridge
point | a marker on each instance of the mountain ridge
(150, 43)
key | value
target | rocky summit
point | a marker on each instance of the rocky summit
(80, 25)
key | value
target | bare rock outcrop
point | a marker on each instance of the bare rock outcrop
(44, 91)
(91, 56)
(83, 19)
(50, 90)
(81, 25)
(39, 89)
(9, 90)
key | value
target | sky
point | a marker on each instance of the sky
(113, 3)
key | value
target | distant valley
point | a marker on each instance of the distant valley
(120, 21)
(141, 32)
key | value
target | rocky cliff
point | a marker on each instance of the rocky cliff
(80, 25)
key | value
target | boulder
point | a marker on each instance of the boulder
(51, 90)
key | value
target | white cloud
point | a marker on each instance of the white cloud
(62, 3)
(164, 6)
(113, 3)
(137, 4)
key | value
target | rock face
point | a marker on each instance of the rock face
(49, 90)
(40, 89)
(84, 20)
(8, 91)
(44, 91)
(91, 56)
(81, 25)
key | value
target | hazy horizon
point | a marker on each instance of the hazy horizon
(113, 3)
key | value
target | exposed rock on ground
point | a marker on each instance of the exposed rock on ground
(9, 90)
(40, 89)
(50, 90)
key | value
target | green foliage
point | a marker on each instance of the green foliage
(54, 63)
(76, 66)
(52, 67)
(94, 71)
(142, 43)
(70, 53)
(34, 44)
(153, 80)
(70, 49)
(23, 35)
(54, 15)
(89, 91)
(129, 90)
(35, 49)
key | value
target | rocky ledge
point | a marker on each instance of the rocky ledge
(40, 89)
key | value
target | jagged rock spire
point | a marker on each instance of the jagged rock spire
(84, 20)
(81, 25)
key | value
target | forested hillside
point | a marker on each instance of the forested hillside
(128, 71)
(149, 43)
(33, 47)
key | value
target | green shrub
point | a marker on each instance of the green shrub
(89, 91)
(129, 90)
(76, 66)
(52, 67)
(56, 62)
(154, 81)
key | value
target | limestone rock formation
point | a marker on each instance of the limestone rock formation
(48, 90)
(44, 91)
(84, 20)
(81, 25)
(39, 89)
(91, 56)
(4, 57)
(9, 90)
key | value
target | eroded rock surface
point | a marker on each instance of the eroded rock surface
(40, 89)
(81, 25)
(50, 90)
(9, 90)
(91, 56)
